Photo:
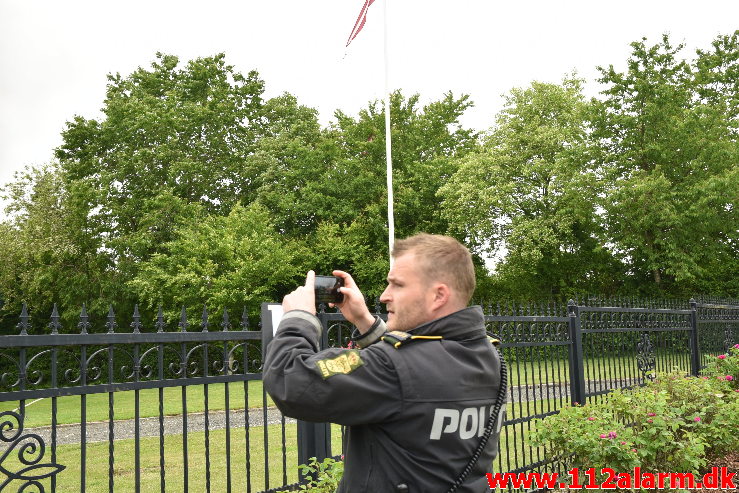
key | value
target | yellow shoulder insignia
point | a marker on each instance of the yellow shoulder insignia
(396, 338)
(343, 364)
(494, 341)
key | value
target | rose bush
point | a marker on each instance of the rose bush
(725, 367)
(670, 424)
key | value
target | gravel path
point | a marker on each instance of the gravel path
(125, 429)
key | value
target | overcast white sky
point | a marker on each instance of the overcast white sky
(55, 55)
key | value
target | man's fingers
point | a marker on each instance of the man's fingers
(310, 279)
(348, 280)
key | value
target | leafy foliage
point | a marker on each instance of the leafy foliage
(322, 477)
(530, 191)
(668, 150)
(220, 261)
(328, 187)
(668, 425)
(725, 367)
(50, 251)
(634, 192)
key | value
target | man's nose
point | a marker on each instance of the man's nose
(384, 297)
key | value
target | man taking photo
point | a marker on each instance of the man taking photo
(417, 395)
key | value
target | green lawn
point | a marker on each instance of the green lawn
(514, 445)
(124, 476)
(124, 470)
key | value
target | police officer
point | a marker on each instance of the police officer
(417, 394)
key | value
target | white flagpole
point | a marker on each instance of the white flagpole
(388, 149)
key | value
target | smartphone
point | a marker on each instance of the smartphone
(327, 289)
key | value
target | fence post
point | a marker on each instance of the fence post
(577, 368)
(695, 356)
(314, 439)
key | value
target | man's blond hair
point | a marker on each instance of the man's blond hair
(442, 259)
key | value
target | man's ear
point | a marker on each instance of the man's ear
(441, 296)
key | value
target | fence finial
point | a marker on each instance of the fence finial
(183, 320)
(244, 319)
(160, 320)
(225, 324)
(204, 319)
(24, 324)
(54, 325)
(571, 307)
(136, 324)
(110, 324)
(84, 323)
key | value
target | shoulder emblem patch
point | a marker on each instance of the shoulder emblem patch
(343, 364)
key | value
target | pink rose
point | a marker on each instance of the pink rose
(651, 414)
(612, 434)
(729, 378)
(650, 421)
(603, 435)
(697, 419)
(736, 346)
(590, 418)
(721, 356)
(623, 443)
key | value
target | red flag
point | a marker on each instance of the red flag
(360, 21)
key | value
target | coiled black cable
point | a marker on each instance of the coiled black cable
(489, 427)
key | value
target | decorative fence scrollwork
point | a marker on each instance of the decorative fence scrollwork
(728, 338)
(21, 460)
(645, 356)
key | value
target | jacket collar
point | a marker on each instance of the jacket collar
(468, 323)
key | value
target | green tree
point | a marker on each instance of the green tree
(669, 168)
(50, 251)
(717, 77)
(220, 262)
(717, 84)
(426, 144)
(298, 172)
(327, 187)
(527, 196)
(170, 137)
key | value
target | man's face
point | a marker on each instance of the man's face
(408, 295)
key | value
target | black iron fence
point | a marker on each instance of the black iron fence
(562, 354)
(150, 408)
(180, 407)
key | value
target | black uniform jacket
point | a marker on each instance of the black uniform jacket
(415, 409)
